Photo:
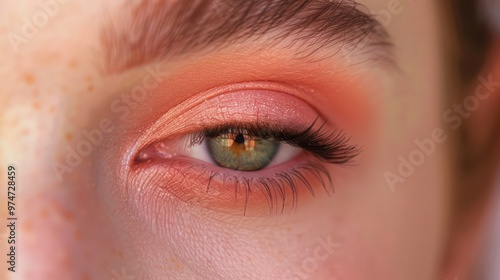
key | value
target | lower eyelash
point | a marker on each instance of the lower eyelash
(275, 188)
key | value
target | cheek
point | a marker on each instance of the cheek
(60, 223)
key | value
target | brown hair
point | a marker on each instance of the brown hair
(467, 40)
(465, 52)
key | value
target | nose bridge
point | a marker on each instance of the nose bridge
(30, 132)
(56, 230)
(27, 127)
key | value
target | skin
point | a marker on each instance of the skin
(88, 225)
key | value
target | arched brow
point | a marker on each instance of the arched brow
(155, 30)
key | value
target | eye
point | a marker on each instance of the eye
(240, 151)
(237, 149)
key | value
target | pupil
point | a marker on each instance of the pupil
(240, 139)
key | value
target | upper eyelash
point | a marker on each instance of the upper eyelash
(328, 146)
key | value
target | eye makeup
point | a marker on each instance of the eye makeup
(163, 159)
(239, 106)
(328, 146)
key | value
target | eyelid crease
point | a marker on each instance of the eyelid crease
(290, 95)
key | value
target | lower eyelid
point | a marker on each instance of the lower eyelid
(262, 193)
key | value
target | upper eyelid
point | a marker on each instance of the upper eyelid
(155, 32)
(269, 96)
(329, 145)
(294, 93)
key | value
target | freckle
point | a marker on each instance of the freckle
(90, 88)
(44, 213)
(37, 105)
(120, 254)
(66, 214)
(25, 132)
(27, 227)
(73, 64)
(178, 265)
(52, 109)
(64, 88)
(66, 262)
(78, 235)
(88, 78)
(104, 264)
(29, 79)
(69, 136)
(85, 276)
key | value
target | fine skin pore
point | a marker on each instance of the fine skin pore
(106, 216)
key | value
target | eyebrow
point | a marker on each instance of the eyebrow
(157, 30)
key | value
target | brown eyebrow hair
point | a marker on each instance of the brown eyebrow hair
(155, 30)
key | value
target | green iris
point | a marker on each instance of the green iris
(242, 152)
